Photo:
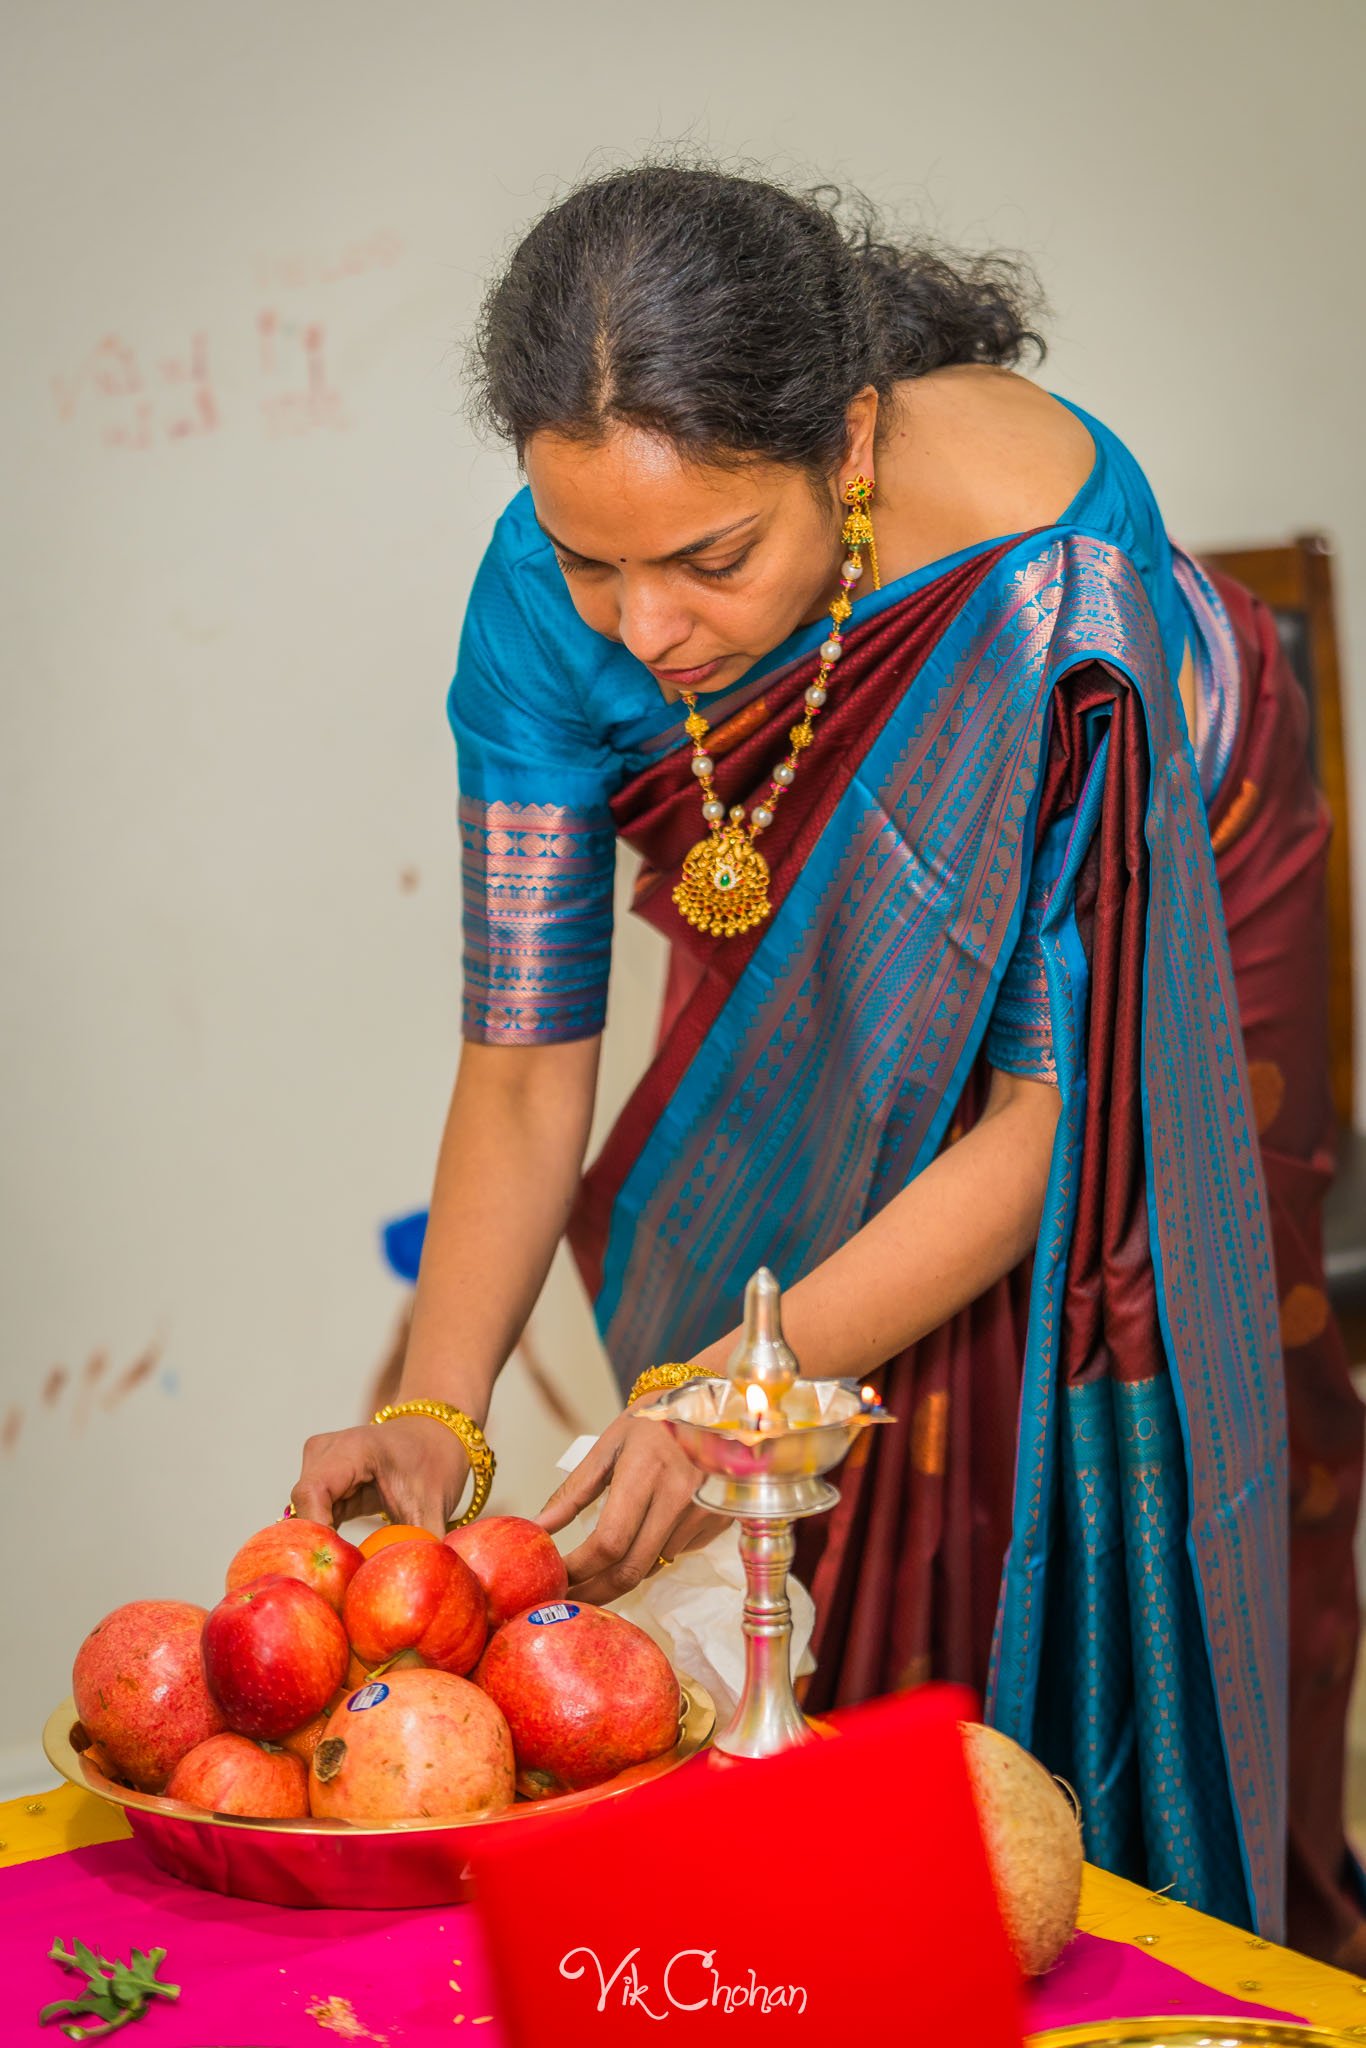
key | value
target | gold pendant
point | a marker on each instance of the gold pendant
(724, 889)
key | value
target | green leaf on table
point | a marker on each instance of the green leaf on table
(114, 1993)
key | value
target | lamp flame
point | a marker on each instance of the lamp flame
(756, 1400)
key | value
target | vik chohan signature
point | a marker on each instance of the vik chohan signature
(691, 1982)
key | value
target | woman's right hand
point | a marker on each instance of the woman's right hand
(412, 1469)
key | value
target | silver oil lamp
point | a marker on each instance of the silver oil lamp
(764, 1436)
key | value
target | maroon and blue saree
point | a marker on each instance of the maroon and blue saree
(1002, 851)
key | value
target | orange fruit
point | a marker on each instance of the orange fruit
(395, 1532)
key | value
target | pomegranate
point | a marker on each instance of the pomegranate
(414, 1745)
(586, 1694)
(141, 1689)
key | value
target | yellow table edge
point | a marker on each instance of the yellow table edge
(1225, 1958)
(48, 1823)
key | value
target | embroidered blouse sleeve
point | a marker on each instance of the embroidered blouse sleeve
(536, 831)
(1020, 1034)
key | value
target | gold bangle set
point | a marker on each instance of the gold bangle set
(656, 1378)
(483, 1464)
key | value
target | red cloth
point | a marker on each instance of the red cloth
(838, 1890)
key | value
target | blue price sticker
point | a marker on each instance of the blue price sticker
(368, 1696)
(563, 1610)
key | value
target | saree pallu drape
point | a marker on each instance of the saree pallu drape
(1270, 830)
(1088, 1474)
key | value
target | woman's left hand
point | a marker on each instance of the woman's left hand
(648, 1515)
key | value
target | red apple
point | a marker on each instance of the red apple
(140, 1688)
(415, 1745)
(416, 1596)
(232, 1774)
(516, 1563)
(275, 1653)
(586, 1694)
(297, 1549)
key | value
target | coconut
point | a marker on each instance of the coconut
(1033, 1843)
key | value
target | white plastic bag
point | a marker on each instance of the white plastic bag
(694, 1608)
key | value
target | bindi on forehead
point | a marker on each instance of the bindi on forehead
(635, 488)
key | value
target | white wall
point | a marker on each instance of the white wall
(228, 1014)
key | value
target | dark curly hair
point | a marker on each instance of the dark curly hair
(729, 315)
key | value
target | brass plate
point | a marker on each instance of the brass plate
(335, 1862)
(1192, 2033)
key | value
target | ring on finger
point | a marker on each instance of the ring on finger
(661, 1563)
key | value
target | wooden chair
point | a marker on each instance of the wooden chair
(1296, 582)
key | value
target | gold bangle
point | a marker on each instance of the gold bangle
(483, 1464)
(656, 1378)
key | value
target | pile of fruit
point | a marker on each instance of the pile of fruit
(409, 1679)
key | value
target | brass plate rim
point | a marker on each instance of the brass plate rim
(1181, 2030)
(695, 1731)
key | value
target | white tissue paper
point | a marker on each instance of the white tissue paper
(694, 1609)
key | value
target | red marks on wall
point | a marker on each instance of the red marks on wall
(95, 1368)
(133, 394)
(93, 1388)
(130, 402)
(294, 357)
(380, 251)
(133, 1376)
(110, 371)
(189, 377)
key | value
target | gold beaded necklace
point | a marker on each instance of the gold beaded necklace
(724, 887)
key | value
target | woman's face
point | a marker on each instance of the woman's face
(699, 571)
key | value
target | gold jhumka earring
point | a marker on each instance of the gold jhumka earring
(724, 886)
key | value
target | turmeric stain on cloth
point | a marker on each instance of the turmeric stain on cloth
(339, 2016)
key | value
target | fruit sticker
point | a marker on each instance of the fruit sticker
(562, 1610)
(368, 1696)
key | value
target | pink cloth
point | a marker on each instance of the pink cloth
(1108, 1980)
(250, 1973)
